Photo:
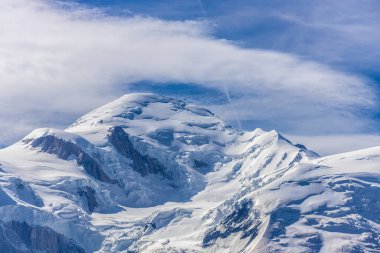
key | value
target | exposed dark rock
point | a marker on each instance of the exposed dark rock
(128, 115)
(65, 149)
(199, 111)
(90, 196)
(211, 125)
(219, 143)
(25, 193)
(136, 110)
(150, 225)
(143, 164)
(200, 164)
(20, 237)
(300, 146)
(282, 218)
(163, 136)
(243, 219)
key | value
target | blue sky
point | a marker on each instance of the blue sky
(341, 34)
(306, 68)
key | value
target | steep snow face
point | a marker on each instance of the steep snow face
(327, 204)
(147, 173)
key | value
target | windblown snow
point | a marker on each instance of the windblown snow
(147, 173)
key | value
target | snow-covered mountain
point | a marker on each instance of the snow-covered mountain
(147, 173)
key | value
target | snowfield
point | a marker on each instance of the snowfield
(147, 173)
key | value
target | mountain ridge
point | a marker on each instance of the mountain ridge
(147, 173)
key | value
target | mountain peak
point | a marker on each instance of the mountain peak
(143, 113)
(148, 105)
(148, 173)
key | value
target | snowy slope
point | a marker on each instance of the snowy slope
(147, 173)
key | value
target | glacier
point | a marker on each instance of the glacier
(148, 173)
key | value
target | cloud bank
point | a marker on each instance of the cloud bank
(59, 61)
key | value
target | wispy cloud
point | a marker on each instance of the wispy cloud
(341, 33)
(57, 63)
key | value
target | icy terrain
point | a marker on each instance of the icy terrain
(147, 173)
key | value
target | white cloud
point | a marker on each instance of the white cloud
(66, 61)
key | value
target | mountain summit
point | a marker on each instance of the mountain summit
(147, 173)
